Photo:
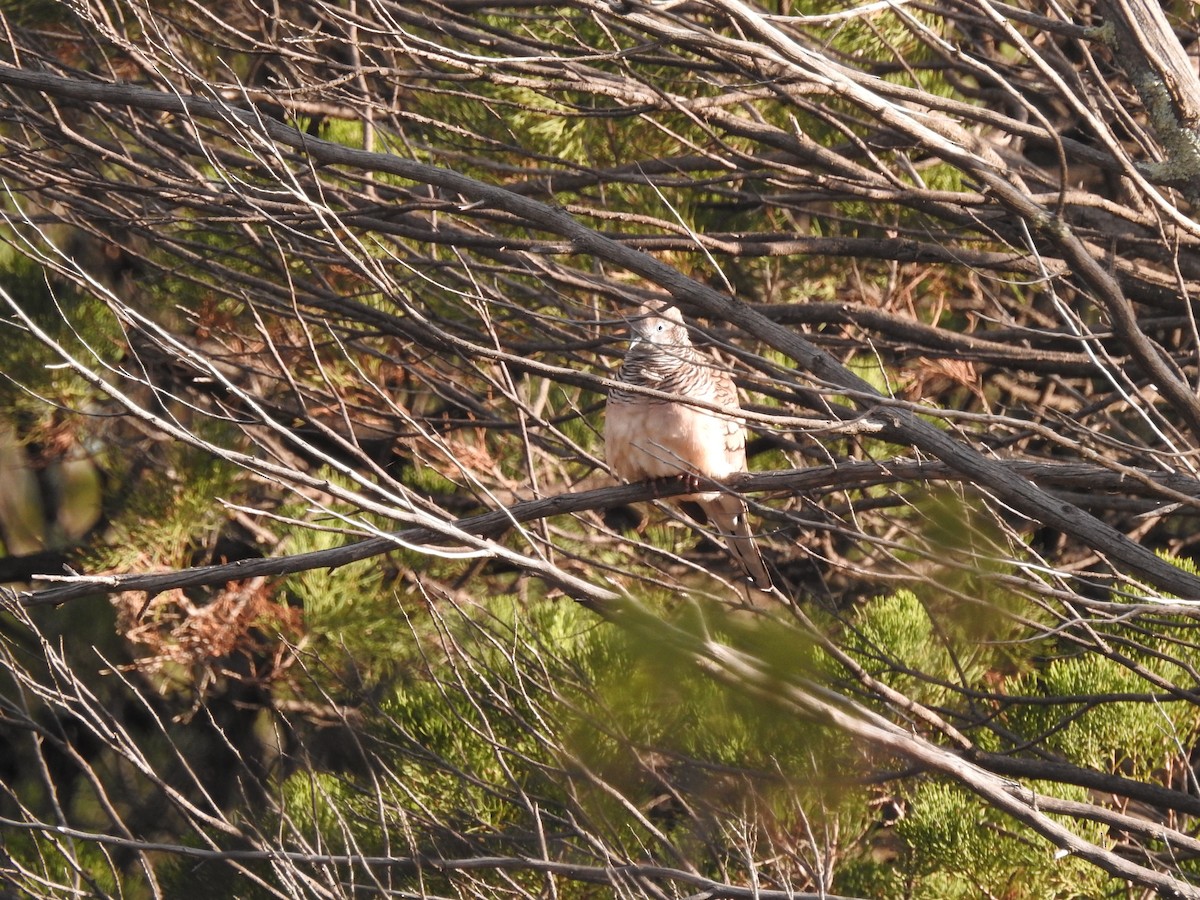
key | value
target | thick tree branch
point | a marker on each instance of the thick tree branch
(1165, 77)
(492, 525)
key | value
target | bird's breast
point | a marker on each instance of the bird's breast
(660, 440)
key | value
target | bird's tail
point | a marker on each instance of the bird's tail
(728, 515)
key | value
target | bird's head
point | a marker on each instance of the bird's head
(657, 325)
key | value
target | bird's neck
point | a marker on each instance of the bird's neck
(654, 366)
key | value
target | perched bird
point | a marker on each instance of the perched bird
(650, 437)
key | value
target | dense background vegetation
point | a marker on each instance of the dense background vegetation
(318, 583)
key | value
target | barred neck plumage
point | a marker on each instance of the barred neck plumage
(670, 369)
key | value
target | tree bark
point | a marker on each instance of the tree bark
(1165, 77)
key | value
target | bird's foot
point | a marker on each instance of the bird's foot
(668, 485)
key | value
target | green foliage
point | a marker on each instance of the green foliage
(464, 727)
(1097, 710)
(78, 322)
(351, 610)
(955, 846)
(322, 803)
(1106, 716)
(897, 640)
(963, 623)
(167, 520)
(59, 861)
(656, 697)
(875, 373)
(344, 132)
(519, 704)
(1111, 709)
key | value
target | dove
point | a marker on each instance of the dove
(649, 437)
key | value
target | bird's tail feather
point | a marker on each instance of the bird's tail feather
(728, 515)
